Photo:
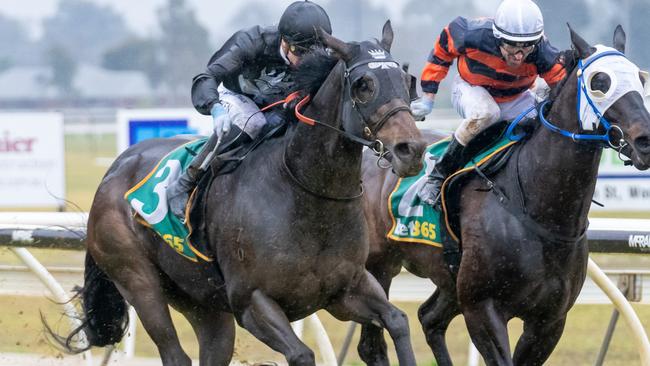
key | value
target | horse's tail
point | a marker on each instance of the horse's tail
(104, 320)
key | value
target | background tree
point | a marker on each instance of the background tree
(63, 68)
(85, 29)
(184, 46)
(16, 48)
(136, 54)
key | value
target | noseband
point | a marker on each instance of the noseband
(352, 111)
(609, 138)
(366, 132)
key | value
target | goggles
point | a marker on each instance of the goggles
(513, 48)
(302, 49)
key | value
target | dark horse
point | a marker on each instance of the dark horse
(528, 262)
(286, 228)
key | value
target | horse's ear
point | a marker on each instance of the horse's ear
(619, 39)
(387, 36)
(580, 45)
(338, 46)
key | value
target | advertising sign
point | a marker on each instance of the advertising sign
(134, 125)
(621, 187)
(31, 160)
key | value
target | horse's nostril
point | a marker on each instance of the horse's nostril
(642, 144)
(408, 151)
(404, 149)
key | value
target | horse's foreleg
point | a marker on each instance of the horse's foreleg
(435, 315)
(489, 332)
(365, 302)
(538, 341)
(372, 345)
(264, 318)
(215, 332)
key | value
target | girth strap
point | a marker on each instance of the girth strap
(518, 209)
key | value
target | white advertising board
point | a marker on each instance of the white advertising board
(620, 187)
(32, 160)
(134, 125)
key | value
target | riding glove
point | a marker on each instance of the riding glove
(221, 119)
(421, 107)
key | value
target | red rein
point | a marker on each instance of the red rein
(301, 117)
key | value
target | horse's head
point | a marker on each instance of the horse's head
(375, 102)
(610, 97)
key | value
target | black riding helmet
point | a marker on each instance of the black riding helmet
(299, 23)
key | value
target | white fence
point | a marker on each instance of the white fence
(66, 230)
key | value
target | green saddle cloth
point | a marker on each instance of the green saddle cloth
(149, 200)
(413, 220)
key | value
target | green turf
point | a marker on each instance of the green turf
(84, 170)
(21, 331)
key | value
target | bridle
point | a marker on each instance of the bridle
(613, 136)
(352, 113)
(353, 116)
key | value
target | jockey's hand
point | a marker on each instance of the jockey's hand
(221, 120)
(421, 107)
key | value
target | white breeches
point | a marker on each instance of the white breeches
(479, 110)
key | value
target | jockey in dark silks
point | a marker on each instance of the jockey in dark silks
(499, 61)
(249, 70)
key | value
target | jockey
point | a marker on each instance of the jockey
(250, 69)
(498, 62)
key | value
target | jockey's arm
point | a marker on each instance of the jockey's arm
(227, 63)
(550, 63)
(442, 56)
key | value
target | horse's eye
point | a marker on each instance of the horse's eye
(601, 82)
(363, 89)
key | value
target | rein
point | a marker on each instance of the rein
(519, 210)
(375, 144)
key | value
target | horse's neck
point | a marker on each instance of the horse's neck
(559, 175)
(323, 159)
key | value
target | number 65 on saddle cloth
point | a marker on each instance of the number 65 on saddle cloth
(417, 222)
(149, 200)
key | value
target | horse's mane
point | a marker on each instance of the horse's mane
(570, 61)
(313, 70)
(570, 58)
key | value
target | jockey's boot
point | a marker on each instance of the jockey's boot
(179, 191)
(449, 162)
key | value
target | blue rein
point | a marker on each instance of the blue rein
(572, 135)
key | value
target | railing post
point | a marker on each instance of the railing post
(59, 294)
(624, 307)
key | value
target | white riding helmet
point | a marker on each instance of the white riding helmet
(518, 21)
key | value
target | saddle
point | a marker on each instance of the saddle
(452, 242)
(225, 163)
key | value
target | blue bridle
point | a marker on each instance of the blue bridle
(605, 137)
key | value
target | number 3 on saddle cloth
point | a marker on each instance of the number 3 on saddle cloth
(416, 222)
(149, 200)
